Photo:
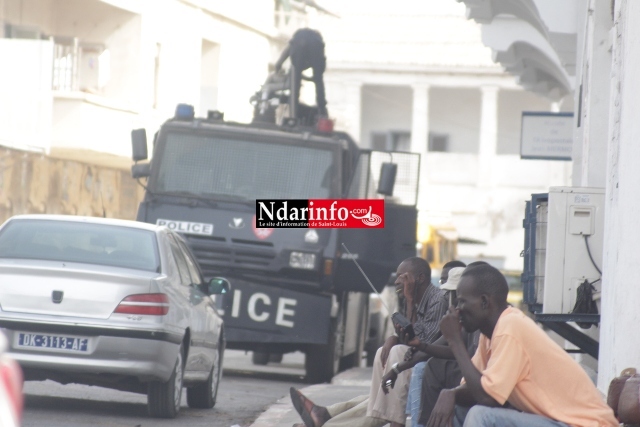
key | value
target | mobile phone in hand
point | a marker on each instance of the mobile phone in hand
(405, 324)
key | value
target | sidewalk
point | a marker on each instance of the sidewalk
(344, 386)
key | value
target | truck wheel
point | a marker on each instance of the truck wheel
(275, 357)
(204, 395)
(260, 358)
(371, 355)
(354, 359)
(322, 361)
(163, 399)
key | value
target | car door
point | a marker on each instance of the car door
(213, 321)
(197, 358)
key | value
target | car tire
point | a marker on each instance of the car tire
(203, 396)
(163, 398)
(260, 358)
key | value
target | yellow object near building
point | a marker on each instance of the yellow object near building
(438, 244)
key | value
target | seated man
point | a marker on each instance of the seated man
(417, 373)
(377, 409)
(516, 363)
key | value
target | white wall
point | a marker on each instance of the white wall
(511, 104)
(456, 112)
(84, 122)
(385, 108)
(25, 94)
(619, 343)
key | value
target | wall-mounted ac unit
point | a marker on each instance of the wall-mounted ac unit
(563, 250)
(575, 226)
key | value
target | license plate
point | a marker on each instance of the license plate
(58, 342)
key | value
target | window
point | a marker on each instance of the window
(181, 262)
(194, 272)
(439, 142)
(392, 140)
(379, 141)
(216, 166)
(87, 243)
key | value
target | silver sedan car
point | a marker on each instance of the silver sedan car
(113, 303)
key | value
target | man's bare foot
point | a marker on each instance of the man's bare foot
(312, 414)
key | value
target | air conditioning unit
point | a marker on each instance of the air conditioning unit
(575, 227)
(563, 250)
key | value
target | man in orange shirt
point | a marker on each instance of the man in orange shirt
(516, 363)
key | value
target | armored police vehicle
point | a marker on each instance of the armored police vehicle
(293, 289)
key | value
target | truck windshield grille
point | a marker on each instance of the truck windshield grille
(216, 253)
(212, 166)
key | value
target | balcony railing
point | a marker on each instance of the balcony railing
(66, 55)
(78, 66)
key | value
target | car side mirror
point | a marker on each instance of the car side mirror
(139, 145)
(387, 181)
(218, 285)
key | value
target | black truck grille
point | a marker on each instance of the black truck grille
(217, 254)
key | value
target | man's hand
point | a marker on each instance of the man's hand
(443, 411)
(388, 381)
(450, 325)
(415, 342)
(386, 349)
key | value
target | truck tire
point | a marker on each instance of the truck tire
(371, 356)
(260, 358)
(354, 359)
(204, 395)
(322, 362)
(163, 399)
(275, 357)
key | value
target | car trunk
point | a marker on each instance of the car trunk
(67, 289)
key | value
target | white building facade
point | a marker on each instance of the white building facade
(415, 76)
(79, 75)
(589, 49)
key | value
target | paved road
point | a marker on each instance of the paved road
(245, 391)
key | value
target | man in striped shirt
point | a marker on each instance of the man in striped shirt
(424, 307)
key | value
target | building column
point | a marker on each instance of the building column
(619, 343)
(420, 135)
(353, 113)
(488, 135)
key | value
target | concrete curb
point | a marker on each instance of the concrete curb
(344, 386)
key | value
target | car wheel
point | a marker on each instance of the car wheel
(204, 395)
(260, 358)
(163, 399)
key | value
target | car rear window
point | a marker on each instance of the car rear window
(86, 243)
